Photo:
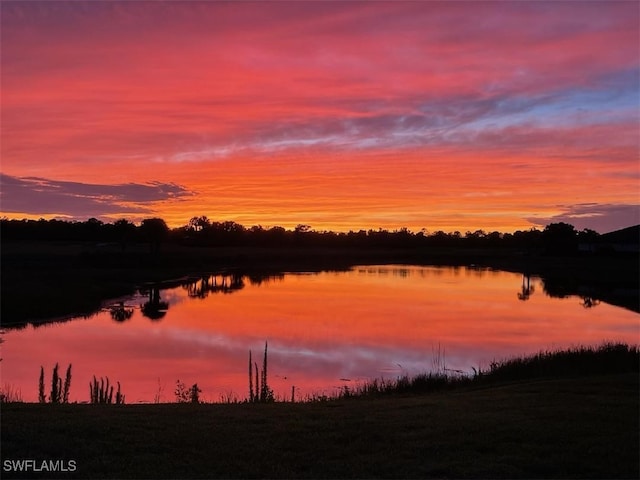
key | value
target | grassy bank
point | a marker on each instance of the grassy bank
(564, 428)
(606, 359)
(43, 280)
(564, 414)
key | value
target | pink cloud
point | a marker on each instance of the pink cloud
(102, 91)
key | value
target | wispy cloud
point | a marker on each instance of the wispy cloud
(46, 197)
(197, 92)
(598, 217)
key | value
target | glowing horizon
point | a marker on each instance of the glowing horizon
(342, 116)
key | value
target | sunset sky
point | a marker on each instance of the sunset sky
(340, 115)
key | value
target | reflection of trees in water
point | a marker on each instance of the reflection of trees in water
(219, 283)
(225, 283)
(119, 313)
(402, 272)
(155, 308)
(527, 289)
(589, 302)
(620, 292)
(199, 288)
(258, 278)
(422, 271)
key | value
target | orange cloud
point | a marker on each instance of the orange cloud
(342, 116)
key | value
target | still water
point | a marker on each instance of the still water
(324, 330)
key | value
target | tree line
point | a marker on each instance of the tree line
(201, 231)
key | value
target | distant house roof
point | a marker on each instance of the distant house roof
(630, 235)
(625, 240)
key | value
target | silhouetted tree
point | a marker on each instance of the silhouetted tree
(560, 238)
(588, 235)
(198, 224)
(589, 239)
(155, 231)
(124, 231)
(557, 238)
(302, 228)
(92, 229)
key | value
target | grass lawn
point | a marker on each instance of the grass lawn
(580, 427)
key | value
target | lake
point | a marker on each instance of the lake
(324, 331)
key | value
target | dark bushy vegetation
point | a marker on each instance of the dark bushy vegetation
(605, 359)
(556, 238)
(102, 392)
(59, 391)
(187, 395)
(609, 358)
(262, 392)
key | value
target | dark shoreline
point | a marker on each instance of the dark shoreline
(579, 427)
(47, 280)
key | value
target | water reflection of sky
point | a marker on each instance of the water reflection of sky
(324, 330)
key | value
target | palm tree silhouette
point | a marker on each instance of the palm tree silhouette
(527, 289)
(154, 309)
